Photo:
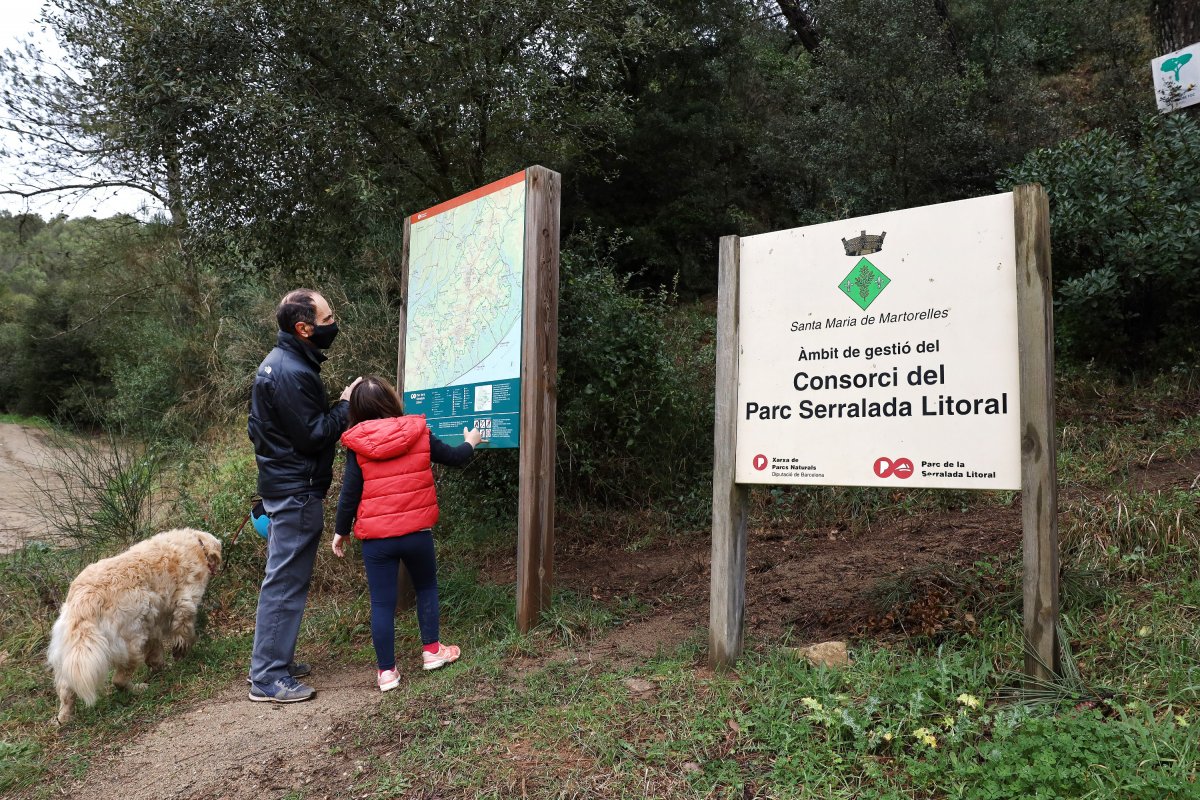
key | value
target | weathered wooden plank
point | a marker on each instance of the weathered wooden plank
(727, 593)
(1039, 481)
(406, 596)
(403, 306)
(539, 397)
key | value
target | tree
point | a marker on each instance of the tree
(1176, 23)
(303, 120)
(900, 120)
(406, 104)
(707, 150)
(53, 273)
(111, 114)
(801, 22)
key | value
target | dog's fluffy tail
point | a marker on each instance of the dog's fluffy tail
(79, 654)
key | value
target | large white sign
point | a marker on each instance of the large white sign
(1177, 78)
(882, 351)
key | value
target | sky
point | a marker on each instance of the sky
(19, 22)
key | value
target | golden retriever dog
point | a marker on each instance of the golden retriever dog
(123, 611)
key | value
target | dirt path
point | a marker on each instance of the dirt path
(231, 748)
(23, 454)
(228, 748)
(813, 582)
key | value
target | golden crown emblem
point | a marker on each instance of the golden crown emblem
(863, 245)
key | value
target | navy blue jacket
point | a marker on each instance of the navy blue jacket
(294, 430)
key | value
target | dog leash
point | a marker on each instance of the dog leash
(238, 533)
(254, 502)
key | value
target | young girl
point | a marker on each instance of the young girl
(388, 493)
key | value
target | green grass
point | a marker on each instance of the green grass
(550, 715)
(29, 422)
(533, 715)
(900, 722)
(38, 756)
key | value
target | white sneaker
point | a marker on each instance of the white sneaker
(387, 679)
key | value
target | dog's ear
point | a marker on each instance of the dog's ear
(212, 557)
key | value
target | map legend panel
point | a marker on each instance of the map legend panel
(449, 409)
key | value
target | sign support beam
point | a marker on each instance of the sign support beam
(1039, 483)
(730, 507)
(538, 374)
(539, 397)
(406, 595)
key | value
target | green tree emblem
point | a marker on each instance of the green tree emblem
(1174, 64)
(864, 283)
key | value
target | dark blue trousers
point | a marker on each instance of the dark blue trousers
(382, 559)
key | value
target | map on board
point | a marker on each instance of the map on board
(462, 359)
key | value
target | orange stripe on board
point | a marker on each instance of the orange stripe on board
(475, 194)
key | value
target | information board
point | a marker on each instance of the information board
(462, 351)
(882, 351)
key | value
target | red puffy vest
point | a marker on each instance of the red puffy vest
(398, 495)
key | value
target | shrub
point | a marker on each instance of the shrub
(1125, 222)
(634, 410)
(54, 369)
(632, 402)
(99, 492)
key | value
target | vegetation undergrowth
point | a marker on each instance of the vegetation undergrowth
(914, 720)
(540, 714)
(287, 148)
(28, 422)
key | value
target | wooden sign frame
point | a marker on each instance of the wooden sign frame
(539, 392)
(1039, 500)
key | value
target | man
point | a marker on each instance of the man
(295, 433)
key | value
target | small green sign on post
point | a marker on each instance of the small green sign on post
(1177, 78)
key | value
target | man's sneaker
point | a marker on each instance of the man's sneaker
(284, 690)
(297, 669)
(387, 679)
(446, 654)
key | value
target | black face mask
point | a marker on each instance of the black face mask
(323, 335)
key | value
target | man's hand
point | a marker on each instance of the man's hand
(473, 436)
(346, 392)
(338, 549)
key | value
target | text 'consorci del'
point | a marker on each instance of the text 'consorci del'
(814, 380)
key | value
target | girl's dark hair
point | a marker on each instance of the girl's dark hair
(374, 398)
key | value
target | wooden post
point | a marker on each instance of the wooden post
(1039, 484)
(539, 394)
(406, 596)
(727, 595)
(403, 306)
